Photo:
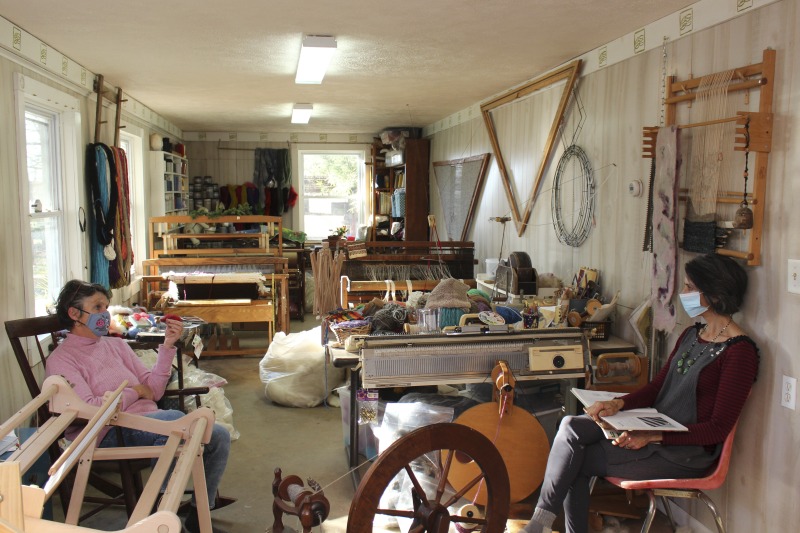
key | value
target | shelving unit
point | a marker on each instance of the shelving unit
(169, 189)
(411, 175)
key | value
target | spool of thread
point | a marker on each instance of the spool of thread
(468, 511)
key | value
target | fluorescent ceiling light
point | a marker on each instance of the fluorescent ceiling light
(301, 113)
(315, 56)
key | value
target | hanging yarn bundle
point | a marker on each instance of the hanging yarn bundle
(120, 268)
(101, 173)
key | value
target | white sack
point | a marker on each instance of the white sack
(294, 372)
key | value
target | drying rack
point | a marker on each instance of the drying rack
(100, 89)
(760, 76)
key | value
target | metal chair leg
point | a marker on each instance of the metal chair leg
(651, 512)
(713, 508)
(668, 510)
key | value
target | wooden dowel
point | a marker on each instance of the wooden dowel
(724, 199)
(684, 190)
(710, 122)
(693, 83)
(28, 410)
(750, 84)
(735, 253)
(99, 108)
(118, 117)
(77, 443)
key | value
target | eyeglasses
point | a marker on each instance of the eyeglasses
(80, 285)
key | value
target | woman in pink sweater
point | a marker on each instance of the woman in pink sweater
(94, 364)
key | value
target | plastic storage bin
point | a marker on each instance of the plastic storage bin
(367, 441)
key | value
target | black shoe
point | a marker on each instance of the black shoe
(192, 524)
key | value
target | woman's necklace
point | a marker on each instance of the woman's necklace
(684, 363)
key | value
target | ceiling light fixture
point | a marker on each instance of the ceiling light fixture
(301, 113)
(315, 56)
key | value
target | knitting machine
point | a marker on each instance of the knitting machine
(412, 360)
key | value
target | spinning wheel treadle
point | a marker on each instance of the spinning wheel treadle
(430, 510)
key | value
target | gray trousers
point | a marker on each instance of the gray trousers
(581, 451)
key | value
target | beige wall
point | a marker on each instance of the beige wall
(762, 489)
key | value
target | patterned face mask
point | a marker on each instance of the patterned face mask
(98, 323)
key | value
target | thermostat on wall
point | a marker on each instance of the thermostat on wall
(635, 188)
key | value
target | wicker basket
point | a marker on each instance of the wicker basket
(598, 331)
(343, 330)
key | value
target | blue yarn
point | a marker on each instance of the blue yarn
(449, 316)
(99, 261)
(511, 315)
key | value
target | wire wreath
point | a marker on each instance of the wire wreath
(582, 223)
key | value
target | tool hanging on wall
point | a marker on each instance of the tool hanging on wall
(744, 215)
(291, 497)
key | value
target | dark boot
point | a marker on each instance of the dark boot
(192, 524)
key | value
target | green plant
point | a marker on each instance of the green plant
(340, 231)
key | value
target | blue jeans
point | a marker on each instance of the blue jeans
(215, 453)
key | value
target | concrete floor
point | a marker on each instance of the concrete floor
(307, 442)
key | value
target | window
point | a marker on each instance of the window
(333, 191)
(47, 133)
(45, 213)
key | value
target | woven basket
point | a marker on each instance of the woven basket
(343, 330)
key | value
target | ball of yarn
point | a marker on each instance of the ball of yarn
(510, 314)
(478, 292)
(449, 316)
(390, 318)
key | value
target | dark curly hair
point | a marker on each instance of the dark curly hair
(722, 281)
(72, 295)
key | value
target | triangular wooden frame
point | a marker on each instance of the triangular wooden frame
(567, 72)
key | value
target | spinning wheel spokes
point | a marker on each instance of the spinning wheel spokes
(411, 456)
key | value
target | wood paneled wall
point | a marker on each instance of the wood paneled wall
(761, 491)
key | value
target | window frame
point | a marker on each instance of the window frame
(360, 150)
(29, 92)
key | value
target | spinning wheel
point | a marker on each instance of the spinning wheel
(429, 509)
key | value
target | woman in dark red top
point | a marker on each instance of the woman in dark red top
(704, 386)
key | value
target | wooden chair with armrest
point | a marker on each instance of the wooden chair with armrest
(683, 488)
(29, 332)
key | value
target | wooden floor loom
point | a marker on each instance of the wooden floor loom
(354, 292)
(21, 506)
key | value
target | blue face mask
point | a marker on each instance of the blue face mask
(691, 304)
(98, 323)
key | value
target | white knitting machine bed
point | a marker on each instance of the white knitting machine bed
(412, 360)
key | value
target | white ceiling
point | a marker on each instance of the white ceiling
(210, 65)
